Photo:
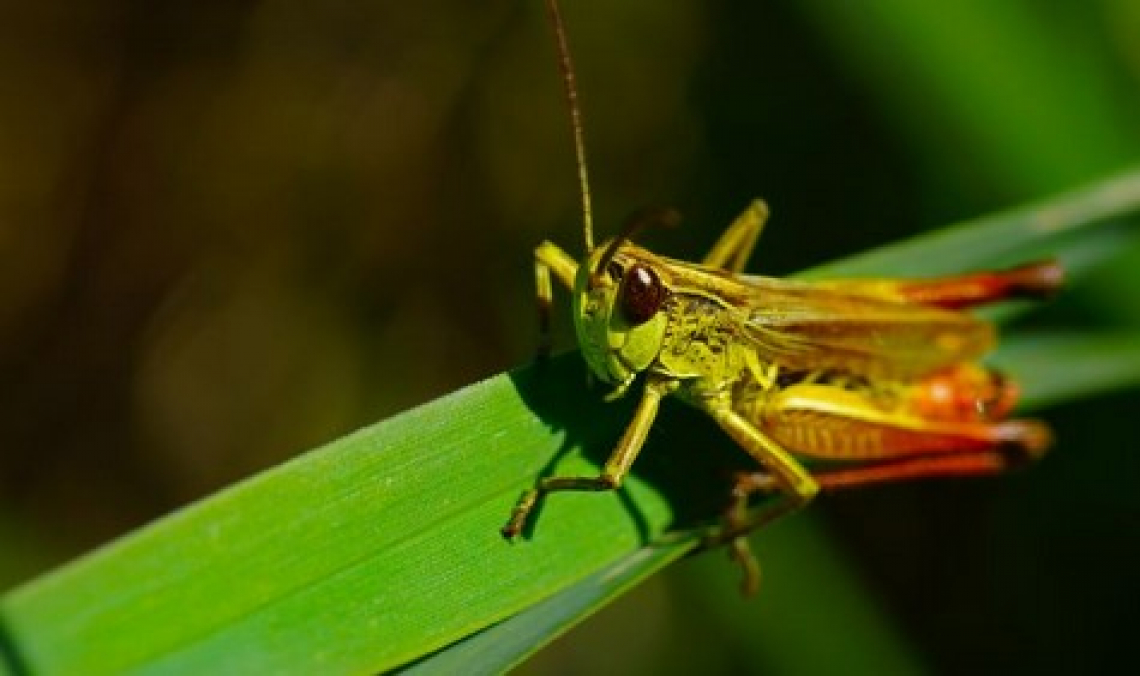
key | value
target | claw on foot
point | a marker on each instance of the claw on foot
(741, 553)
(520, 514)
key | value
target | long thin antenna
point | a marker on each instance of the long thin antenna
(570, 89)
(638, 221)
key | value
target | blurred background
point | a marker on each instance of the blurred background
(231, 231)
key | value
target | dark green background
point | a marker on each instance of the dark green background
(233, 230)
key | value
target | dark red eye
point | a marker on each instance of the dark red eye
(641, 295)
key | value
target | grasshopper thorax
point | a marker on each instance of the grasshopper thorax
(618, 314)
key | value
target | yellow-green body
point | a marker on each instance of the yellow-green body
(847, 370)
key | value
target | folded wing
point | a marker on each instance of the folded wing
(804, 327)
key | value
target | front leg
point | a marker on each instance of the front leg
(616, 467)
(548, 257)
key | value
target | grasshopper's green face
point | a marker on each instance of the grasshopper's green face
(617, 312)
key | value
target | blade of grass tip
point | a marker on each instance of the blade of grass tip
(1052, 368)
(999, 238)
(508, 643)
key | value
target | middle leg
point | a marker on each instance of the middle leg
(732, 251)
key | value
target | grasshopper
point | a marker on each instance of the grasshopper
(877, 378)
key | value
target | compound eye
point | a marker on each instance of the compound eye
(641, 294)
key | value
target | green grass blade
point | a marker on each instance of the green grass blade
(359, 556)
(1053, 368)
(382, 547)
(506, 644)
(1054, 226)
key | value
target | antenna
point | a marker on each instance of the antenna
(638, 221)
(570, 89)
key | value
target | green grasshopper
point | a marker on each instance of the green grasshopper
(879, 378)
